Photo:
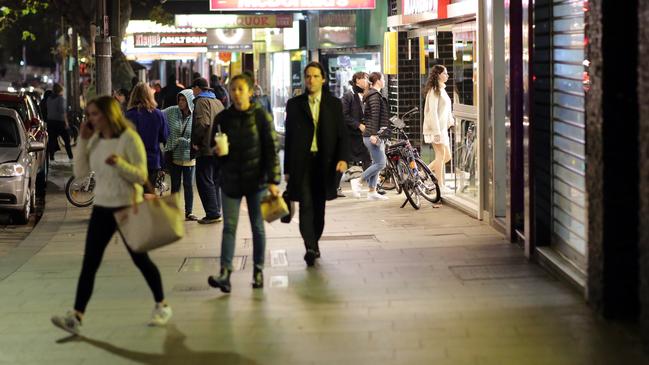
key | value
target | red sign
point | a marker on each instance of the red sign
(156, 40)
(261, 5)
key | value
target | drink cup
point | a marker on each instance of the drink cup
(221, 140)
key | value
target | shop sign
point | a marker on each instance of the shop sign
(229, 39)
(156, 40)
(225, 21)
(411, 7)
(261, 5)
(338, 19)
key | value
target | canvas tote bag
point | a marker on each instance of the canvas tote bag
(153, 223)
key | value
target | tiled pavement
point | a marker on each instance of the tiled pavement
(394, 286)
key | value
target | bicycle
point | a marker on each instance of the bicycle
(406, 167)
(80, 190)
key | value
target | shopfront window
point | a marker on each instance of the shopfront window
(286, 82)
(465, 65)
(464, 177)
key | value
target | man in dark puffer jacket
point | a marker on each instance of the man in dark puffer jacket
(250, 169)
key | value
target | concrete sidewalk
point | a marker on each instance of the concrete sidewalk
(394, 286)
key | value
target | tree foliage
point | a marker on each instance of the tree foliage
(13, 10)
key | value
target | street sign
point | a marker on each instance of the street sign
(227, 21)
(261, 5)
(157, 40)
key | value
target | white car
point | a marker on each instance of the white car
(18, 167)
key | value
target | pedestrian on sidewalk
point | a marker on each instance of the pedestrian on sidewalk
(316, 147)
(353, 112)
(169, 93)
(109, 146)
(376, 117)
(438, 116)
(179, 146)
(206, 108)
(57, 122)
(251, 170)
(152, 126)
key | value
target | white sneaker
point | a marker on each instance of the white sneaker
(69, 323)
(376, 196)
(356, 187)
(160, 315)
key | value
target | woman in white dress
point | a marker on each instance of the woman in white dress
(438, 116)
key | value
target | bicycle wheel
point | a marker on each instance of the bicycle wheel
(77, 193)
(408, 186)
(386, 179)
(427, 184)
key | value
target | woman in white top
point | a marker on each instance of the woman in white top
(110, 146)
(438, 117)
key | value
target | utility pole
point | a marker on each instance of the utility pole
(103, 52)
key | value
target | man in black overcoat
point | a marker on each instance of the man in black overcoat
(316, 148)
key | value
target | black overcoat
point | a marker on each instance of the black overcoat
(333, 144)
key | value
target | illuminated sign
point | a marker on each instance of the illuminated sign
(411, 7)
(229, 40)
(157, 40)
(225, 21)
(261, 5)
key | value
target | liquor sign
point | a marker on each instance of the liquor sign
(411, 7)
(226, 21)
(158, 40)
(261, 5)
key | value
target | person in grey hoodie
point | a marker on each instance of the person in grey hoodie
(206, 108)
(179, 146)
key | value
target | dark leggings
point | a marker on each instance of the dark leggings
(101, 228)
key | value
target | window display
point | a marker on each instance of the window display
(341, 68)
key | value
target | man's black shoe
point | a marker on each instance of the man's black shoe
(310, 257)
(380, 191)
(257, 278)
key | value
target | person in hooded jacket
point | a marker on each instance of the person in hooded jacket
(206, 108)
(179, 145)
(250, 169)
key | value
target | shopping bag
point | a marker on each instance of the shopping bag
(273, 208)
(153, 223)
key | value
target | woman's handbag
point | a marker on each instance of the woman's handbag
(291, 208)
(273, 208)
(151, 224)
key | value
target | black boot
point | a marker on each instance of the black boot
(257, 278)
(310, 257)
(222, 281)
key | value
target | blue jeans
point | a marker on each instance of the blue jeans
(377, 152)
(184, 174)
(231, 220)
(207, 184)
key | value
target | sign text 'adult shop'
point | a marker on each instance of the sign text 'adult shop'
(217, 5)
(144, 40)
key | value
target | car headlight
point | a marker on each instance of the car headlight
(12, 169)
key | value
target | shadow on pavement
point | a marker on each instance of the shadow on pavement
(175, 351)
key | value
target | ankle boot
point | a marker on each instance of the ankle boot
(257, 278)
(222, 281)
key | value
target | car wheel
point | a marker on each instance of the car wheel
(22, 216)
(41, 178)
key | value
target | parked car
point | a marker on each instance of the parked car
(35, 128)
(18, 166)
